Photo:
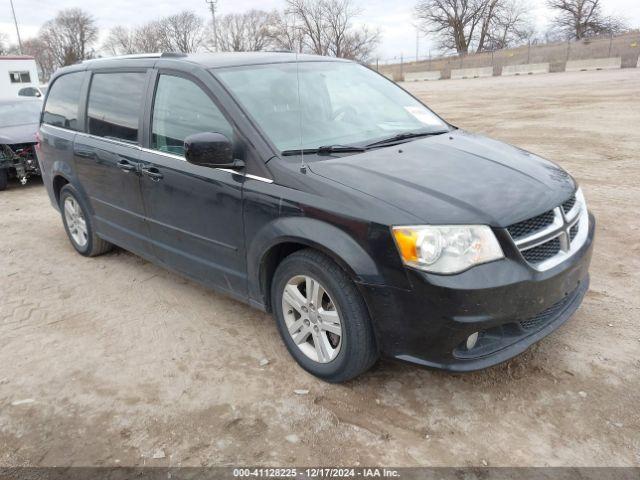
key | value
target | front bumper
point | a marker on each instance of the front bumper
(511, 304)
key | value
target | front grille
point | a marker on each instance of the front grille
(546, 316)
(542, 252)
(573, 232)
(568, 205)
(532, 225)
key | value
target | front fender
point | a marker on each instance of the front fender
(327, 238)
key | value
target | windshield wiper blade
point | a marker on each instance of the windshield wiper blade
(325, 149)
(404, 136)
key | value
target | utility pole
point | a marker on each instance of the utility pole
(17, 29)
(417, 44)
(212, 5)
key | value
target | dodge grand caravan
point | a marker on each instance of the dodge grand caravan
(318, 190)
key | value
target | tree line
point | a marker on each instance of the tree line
(466, 26)
(323, 27)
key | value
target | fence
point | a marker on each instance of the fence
(626, 46)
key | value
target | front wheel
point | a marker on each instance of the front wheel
(322, 317)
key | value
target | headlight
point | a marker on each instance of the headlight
(446, 248)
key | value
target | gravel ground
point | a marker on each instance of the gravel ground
(114, 361)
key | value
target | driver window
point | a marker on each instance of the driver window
(181, 108)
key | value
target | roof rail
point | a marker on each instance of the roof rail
(141, 55)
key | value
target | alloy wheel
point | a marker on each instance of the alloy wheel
(76, 222)
(311, 318)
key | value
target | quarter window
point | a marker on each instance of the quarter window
(180, 109)
(61, 109)
(115, 102)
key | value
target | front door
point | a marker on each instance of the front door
(107, 158)
(194, 213)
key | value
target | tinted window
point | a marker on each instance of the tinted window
(62, 104)
(115, 101)
(181, 108)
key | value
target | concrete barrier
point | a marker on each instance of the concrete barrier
(422, 76)
(594, 64)
(472, 73)
(528, 69)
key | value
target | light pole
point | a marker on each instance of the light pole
(212, 5)
(17, 29)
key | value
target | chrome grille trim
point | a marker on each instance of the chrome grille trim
(561, 228)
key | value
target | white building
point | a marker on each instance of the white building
(18, 76)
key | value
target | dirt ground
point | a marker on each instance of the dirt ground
(114, 361)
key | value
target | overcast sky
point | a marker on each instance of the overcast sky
(394, 18)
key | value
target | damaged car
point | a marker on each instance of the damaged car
(19, 122)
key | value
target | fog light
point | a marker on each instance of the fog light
(472, 340)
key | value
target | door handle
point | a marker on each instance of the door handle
(127, 166)
(153, 173)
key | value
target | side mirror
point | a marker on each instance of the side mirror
(209, 149)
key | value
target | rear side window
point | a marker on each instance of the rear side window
(181, 108)
(115, 102)
(61, 109)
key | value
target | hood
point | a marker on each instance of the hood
(455, 178)
(18, 134)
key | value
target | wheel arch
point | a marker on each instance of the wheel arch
(62, 174)
(287, 235)
(59, 181)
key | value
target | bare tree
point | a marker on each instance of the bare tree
(149, 38)
(583, 18)
(456, 22)
(4, 44)
(342, 39)
(309, 16)
(45, 61)
(182, 32)
(120, 41)
(326, 28)
(361, 44)
(70, 36)
(285, 33)
(465, 25)
(250, 31)
(510, 25)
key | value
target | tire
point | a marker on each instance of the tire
(4, 179)
(85, 242)
(345, 356)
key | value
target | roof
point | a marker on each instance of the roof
(222, 59)
(234, 59)
(17, 57)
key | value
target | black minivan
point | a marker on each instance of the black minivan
(316, 189)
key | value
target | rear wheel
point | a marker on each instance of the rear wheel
(78, 224)
(4, 178)
(322, 317)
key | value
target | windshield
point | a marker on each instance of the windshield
(341, 103)
(19, 113)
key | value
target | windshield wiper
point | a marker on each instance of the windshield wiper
(404, 136)
(325, 149)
